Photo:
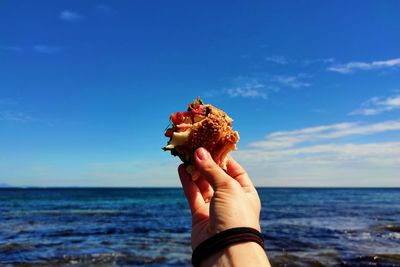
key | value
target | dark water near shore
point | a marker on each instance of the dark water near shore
(151, 227)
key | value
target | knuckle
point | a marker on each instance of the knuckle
(227, 183)
(209, 168)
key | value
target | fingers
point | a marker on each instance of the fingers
(205, 188)
(192, 191)
(216, 176)
(238, 173)
(209, 169)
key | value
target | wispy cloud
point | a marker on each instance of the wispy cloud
(351, 67)
(278, 140)
(291, 81)
(323, 156)
(11, 48)
(16, 116)
(281, 60)
(70, 16)
(243, 86)
(248, 90)
(260, 86)
(378, 105)
(47, 49)
(307, 62)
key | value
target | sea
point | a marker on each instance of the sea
(151, 227)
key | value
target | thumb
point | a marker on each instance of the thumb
(209, 169)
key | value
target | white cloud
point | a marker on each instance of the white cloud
(47, 49)
(17, 116)
(70, 16)
(313, 156)
(253, 90)
(281, 60)
(10, 115)
(259, 86)
(307, 62)
(374, 65)
(291, 81)
(278, 140)
(377, 105)
(243, 87)
(324, 156)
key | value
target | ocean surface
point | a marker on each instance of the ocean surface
(151, 227)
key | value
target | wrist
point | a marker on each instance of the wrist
(222, 249)
(242, 254)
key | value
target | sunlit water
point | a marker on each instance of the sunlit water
(151, 227)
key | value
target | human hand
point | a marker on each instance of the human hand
(219, 200)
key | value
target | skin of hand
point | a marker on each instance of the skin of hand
(219, 200)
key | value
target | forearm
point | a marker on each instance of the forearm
(243, 254)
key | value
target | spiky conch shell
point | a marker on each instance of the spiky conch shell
(215, 134)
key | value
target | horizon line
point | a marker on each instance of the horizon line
(178, 187)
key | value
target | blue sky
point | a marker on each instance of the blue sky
(86, 89)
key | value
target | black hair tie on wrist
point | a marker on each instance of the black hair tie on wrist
(224, 239)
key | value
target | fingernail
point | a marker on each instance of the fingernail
(202, 154)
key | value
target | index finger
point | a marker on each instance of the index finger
(238, 173)
(192, 191)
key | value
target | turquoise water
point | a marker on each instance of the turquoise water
(151, 227)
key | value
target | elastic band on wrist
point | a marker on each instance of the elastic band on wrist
(224, 239)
